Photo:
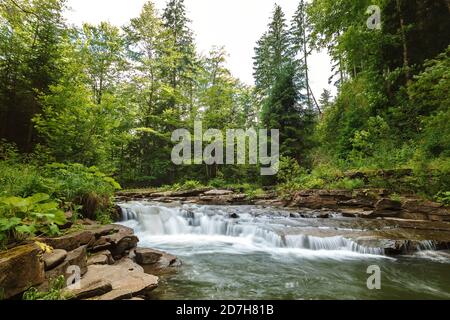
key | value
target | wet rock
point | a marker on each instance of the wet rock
(234, 216)
(20, 268)
(54, 258)
(70, 241)
(87, 288)
(155, 261)
(147, 256)
(126, 278)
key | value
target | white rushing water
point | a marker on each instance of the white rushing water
(203, 229)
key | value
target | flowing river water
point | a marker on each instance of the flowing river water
(248, 252)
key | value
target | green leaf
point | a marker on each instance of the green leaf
(26, 229)
(38, 197)
(16, 202)
(54, 230)
(59, 218)
(8, 224)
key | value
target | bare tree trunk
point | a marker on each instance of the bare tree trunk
(404, 43)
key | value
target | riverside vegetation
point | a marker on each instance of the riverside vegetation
(85, 111)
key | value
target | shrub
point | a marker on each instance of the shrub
(24, 217)
(73, 181)
(347, 184)
(443, 197)
(217, 183)
(54, 293)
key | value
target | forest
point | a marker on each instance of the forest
(86, 111)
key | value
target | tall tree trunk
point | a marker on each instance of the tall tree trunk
(404, 40)
(305, 52)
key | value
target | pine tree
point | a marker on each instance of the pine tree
(281, 83)
(272, 52)
(300, 51)
(325, 99)
(179, 55)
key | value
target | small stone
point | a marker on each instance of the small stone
(54, 258)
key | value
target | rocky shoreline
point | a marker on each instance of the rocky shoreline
(103, 262)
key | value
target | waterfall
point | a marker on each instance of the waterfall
(158, 220)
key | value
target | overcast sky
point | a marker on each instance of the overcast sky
(235, 24)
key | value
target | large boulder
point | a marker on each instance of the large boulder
(127, 279)
(70, 241)
(20, 268)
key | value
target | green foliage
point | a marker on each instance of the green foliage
(72, 181)
(395, 197)
(347, 184)
(443, 197)
(54, 293)
(217, 183)
(25, 217)
(289, 169)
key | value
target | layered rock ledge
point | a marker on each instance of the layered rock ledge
(98, 262)
(364, 203)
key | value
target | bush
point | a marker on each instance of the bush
(24, 217)
(347, 184)
(73, 181)
(54, 293)
(443, 197)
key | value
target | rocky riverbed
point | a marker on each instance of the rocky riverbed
(108, 262)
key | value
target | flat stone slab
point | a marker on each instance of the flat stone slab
(126, 277)
(87, 289)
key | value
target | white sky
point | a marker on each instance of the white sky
(235, 24)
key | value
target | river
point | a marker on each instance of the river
(248, 252)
